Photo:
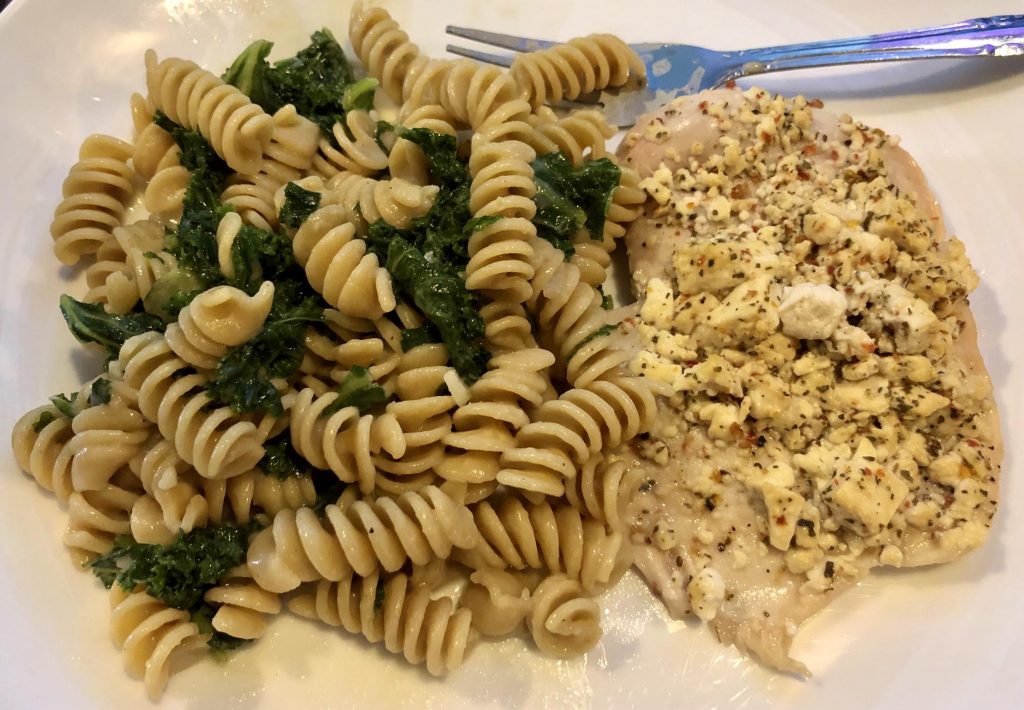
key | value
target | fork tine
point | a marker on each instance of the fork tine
(519, 44)
(502, 60)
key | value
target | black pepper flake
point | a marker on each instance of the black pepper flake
(805, 523)
(830, 569)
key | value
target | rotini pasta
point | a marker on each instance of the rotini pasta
(95, 518)
(354, 148)
(564, 620)
(362, 537)
(406, 620)
(217, 442)
(439, 467)
(339, 267)
(237, 129)
(366, 200)
(498, 407)
(242, 607)
(498, 599)
(217, 319)
(289, 154)
(39, 440)
(96, 191)
(567, 432)
(581, 65)
(150, 635)
(541, 537)
(343, 441)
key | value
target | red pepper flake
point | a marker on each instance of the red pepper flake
(731, 84)
(834, 154)
(816, 103)
(869, 347)
(831, 269)
(809, 149)
(766, 137)
(802, 174)
(973, 443)
(781, 520)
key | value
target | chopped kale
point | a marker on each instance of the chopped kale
(179, 573)
(259, 255)
(427, 260)
(64, 404)
(44, 419)
(357, 390)
(414, 337)
(441, 294)
(572, 199)
(315, 80)
(281, 460)
(99, 392)
(89, 323)
(328, 490)
(298, 205)
(243, 376)
(359, 96)
(606, 299)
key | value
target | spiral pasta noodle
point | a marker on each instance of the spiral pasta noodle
(339, 266)
(106, 438)
(153, 148)
(396, 201)
(602, 489)
(237, 129)
(567, 432)
(362, 537)
(580, 136)
(434, 632)
(150, 635)
(172, 502)
(127, 266)
(343, 441)
(216, 441)
(577, 67)
(406, 160)
(501, 253)
(388, 55)
(498, 599)
(564, 621)
(96, 192)
(95, 518)
(289, 154)
(541, 537)
(216, 319)
(354, 148)
(42, 452)
(242, 607)
(498, 407)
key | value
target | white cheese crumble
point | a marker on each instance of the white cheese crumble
(706, 591)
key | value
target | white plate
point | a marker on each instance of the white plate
(946, 637)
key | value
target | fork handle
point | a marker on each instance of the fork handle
(1002, 35)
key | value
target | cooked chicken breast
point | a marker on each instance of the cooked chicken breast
(831, 412)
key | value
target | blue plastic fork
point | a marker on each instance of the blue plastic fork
(680, 69)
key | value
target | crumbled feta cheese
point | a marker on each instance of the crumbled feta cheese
(706, 591)
(811, 311)
(864, 495)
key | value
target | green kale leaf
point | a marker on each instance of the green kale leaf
(281, 460)
(299, 204)
(441, 294)
(572, 199)
(357, 390)
(64, 404)
(44, 420)
(414, 337)
(243, 376)
(179, 573)
(314, 80)
(89, 323)
(99, 392)
(218, 642)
